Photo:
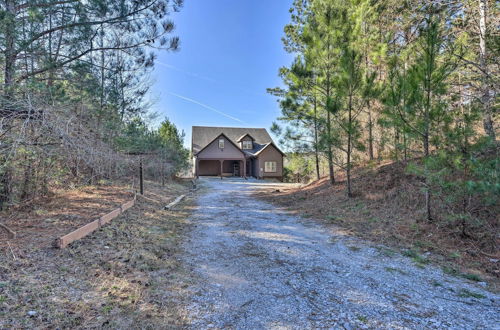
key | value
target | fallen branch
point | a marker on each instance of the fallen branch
(12, 251)
(175, 202)
(11, 234)
(490, 255)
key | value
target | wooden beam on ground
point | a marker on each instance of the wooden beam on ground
(127, 205)
(77, 234)
(81, 232)
(110, 216)
(175, 202)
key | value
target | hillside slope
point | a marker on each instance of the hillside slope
(388, 208)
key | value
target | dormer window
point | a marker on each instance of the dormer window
(247, 144)
(221, 143)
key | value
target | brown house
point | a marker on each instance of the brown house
(235, 151)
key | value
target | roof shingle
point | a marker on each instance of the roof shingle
(203, 135)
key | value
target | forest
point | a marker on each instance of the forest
(410, 81)
(75, 96)
(387, 111)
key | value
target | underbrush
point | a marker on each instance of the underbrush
(120, 276)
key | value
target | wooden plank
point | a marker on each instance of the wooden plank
(63, 241)
(127, 205)
(77, 234)
(110, 216)
(175, 202)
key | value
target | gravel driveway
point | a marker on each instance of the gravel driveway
(261, 267)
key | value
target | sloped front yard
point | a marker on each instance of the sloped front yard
(388, 208)
(124, 274)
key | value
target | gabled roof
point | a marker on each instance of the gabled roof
(243, 136)
(216, 138)
(203, 136)
(267, 145)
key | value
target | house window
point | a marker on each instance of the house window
(221, 143)
(270, 167)
(247, 145)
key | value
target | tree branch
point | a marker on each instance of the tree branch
(112, 20)
(42, 5)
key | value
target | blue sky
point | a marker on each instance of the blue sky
(230, 53)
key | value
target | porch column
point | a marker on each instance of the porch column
(244, 168)
(196, 166)
(221, 162)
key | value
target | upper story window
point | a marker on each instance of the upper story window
(221, 143)
(247, 144)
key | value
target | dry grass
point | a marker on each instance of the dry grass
(124, 275)
(388, 208)
(40, 222)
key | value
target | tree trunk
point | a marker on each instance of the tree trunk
(101, 98)
(396, 143)
(9, 71)
(370, 132)
(329, 152)
(486, 97)
(405, 147)
(5, 191)
(316, 151)
(329, 133)
(349, 151)
(9, 51)
(428, 202)
(426, 141)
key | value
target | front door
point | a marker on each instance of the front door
(249, 167)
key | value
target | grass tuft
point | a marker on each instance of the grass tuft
(417, 258)
(362, 318)
(464, 293)
(472, 277)
(395, 270)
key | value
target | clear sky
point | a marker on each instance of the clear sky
(230, 52)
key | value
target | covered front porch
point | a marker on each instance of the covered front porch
(223, 167)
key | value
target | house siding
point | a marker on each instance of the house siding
(270, 154)
(255, 169)
(212, 151)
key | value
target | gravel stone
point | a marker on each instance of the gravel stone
(262, 267)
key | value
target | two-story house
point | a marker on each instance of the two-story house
(235, 151)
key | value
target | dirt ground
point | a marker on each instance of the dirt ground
(388, 208)
(124, 275)
(37, 225)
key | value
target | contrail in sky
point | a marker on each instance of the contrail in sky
(206, 106)
(195, 75)
(192, 74)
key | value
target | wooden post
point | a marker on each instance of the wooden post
(244, 168)
(196, 167)
(141, 181)
(221, 162)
